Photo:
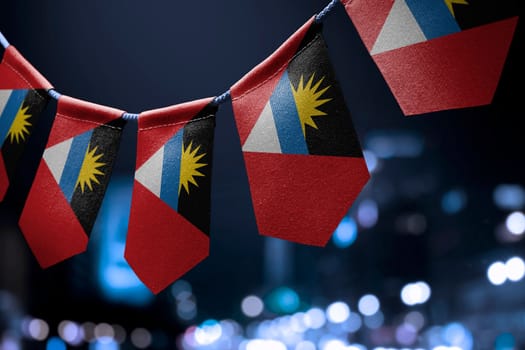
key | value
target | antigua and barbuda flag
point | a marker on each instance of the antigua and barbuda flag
(303, 158)
(71, 180)
(437, 54)
(23, 96)
(169, 224)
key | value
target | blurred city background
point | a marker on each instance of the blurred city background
(430, 256)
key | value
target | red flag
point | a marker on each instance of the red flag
(71, 180)
(433, 54)
(303, 159)
(169, 222)
(23, 96)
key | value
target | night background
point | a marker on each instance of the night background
(428, 257)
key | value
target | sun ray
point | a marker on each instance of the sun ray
(308, 100)
(189, 167)
(20, 127)
(451, 8)
(90, 169)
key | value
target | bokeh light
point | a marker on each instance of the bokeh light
(141, 338)
(38, 329)
(497, 273)
(55, 343)
(346, 233)
(509, 196)
(368, 305)
(367, 213)
(515, 269)
(515, 223)
(283, 300)
(208, 332)
(415, 293)
(454, 201)
(337, 312)
(70, 332)
(252, 306)
(315, 318)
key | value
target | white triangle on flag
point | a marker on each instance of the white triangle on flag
(150, 173)
(263, 137)
(400, 29)
(4, 97)
(56, 157)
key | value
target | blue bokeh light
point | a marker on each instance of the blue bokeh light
(345, 234)
(453, 201)
(283, 300)
(55, 343)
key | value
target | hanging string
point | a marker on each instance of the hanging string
(217, 100)
(3, 41)
(54, 94)
(221, 98)
(321, 15)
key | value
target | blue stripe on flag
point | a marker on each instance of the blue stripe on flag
(287, 119)
(169, 188)
(434, 17)
(75, 158)
(10, 110)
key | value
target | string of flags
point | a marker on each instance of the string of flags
(298, 142)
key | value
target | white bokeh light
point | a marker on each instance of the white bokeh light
(208, 332)
(314, 318)
(252, 306)
(38, 329)
(368, 305)
(334, 344)
(516, 223)
(497, 273)
(515, 269)
(415, 293)
(265, 344)
(337, 312)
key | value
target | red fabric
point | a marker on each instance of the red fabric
(77, 117)
(263, 78)
(4, 180)
(368, 16)
(165, 122)
(454, 71)
(17, 73)
(303, 198)
(161, 245)
(48, 223)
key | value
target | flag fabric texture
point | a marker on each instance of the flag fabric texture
(71, 180)
(303, 158)
(436, 54)
(23, 96)
(169, 224)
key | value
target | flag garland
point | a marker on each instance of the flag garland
(303, 157)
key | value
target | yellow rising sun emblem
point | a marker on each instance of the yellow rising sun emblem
(188, 167)
(307, 99)
(89, 170)
(451, 8)
(19, 129)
